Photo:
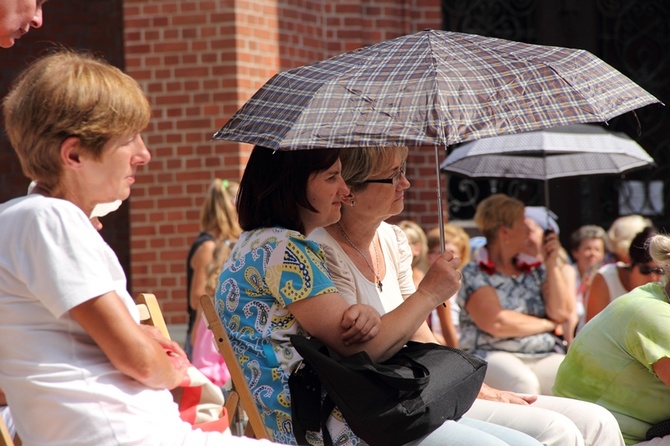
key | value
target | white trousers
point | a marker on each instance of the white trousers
(554, 421)
(534, 376)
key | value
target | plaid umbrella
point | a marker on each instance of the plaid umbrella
(558, 152)
(432, 88)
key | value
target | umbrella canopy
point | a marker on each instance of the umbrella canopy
(553, 153)
(432, 88)
(558, 152)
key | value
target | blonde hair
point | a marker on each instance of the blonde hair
(219, 256)
(415, 234)
(659, 249)
(218, 213)
(67, 94)
(361, 163)
(622, 231)
(495, 211)
(454, 234)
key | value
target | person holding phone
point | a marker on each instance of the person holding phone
(542, 222)
(512, 303)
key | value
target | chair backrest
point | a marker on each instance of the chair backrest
(150, 312)
(5, 438)
(255, 427)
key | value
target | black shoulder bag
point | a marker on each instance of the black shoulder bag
(385, 404)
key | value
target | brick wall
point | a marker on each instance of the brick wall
(96, 26)
(200, 61)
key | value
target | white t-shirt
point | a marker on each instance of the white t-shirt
(60, 385)
(354, 287)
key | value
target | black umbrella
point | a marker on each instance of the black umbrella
(559, 152)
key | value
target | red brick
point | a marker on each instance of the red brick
(199, 65)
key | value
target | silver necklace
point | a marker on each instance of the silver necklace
(374, 245)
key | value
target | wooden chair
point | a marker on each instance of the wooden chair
(150, 312)
(255, 427)
(5, 438)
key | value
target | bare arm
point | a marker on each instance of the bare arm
(424, 334)
(447, 325)
(199, 261)
(558, 300)
(135, 350)
(662, 370)
(321, 315)
(598, 297)
(569, 327)
(488, 315)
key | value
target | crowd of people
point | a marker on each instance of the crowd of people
(320, 268)
(576, 344)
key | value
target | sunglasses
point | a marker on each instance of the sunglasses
(647, 270)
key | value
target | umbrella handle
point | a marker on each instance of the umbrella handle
(440, 213)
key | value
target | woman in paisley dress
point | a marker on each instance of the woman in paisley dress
(275, 284)
(551, 420)
(511, 303)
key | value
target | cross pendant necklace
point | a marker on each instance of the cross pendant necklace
(374, 245)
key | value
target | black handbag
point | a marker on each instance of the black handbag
(386, 404)
(660, 429)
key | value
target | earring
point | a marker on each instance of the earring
(352, 202)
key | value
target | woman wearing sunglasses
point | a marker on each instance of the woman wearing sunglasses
(621, 358)
(616, 279)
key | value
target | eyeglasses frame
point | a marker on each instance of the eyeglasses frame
(392, 180)
(648, 270)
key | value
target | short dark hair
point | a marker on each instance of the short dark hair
(274, 186)
(639, 246)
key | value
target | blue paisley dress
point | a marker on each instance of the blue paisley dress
(268, 269)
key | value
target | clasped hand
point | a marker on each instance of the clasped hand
(443, 279)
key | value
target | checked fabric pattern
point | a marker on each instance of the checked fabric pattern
(432, 88)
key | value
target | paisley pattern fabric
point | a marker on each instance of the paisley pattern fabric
(522, 293)
(269, 269)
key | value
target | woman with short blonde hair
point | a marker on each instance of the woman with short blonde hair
(511, 303)
(76, 365)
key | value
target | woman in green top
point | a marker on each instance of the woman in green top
(621, 358)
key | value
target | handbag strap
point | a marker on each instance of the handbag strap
(327, 406)
(361, 362)
(387, 373)
(299, 431)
